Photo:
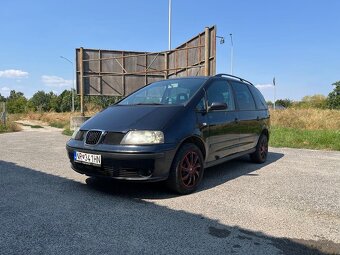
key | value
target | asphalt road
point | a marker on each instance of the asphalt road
(290, 205)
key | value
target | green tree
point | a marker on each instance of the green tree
(65, 101)
(41, 101)
(270, 104)
(54, 102)
(333, 99)
(2, 98)
(16, 102)
(315, 101)
(284, 102)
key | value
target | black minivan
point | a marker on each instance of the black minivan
(172, 130)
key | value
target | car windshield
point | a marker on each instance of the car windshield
(168, 92)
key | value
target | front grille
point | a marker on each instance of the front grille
(113, 138)
(93, 137)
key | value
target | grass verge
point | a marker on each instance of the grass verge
(57, 124)
(67, 132)
(10, 127)
(303, 138)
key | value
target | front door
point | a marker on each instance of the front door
(223, 138)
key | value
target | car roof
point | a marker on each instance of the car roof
(225, 76)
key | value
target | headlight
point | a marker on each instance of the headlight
(75, 133)
(143, 137)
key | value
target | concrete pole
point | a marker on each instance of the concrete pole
(274, 84)
(73, 70)
(231, 54)
(170, 24)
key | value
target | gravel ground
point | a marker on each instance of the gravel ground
(290, 205)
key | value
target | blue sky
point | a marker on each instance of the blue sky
(298, 42)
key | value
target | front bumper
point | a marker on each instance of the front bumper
(134, 163)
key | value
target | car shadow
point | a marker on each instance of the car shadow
(213, 177)
(45, 214)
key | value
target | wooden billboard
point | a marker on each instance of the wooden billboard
(119, 73)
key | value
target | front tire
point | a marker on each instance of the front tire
(186, 170)
(261, 152)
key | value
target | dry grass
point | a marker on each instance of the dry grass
(308, 119)
(11, 126)
(54, 119)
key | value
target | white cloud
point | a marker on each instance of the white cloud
(56, 81)
(264, 86)
(5, 91)
(12, 73)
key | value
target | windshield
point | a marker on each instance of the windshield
(168, 92)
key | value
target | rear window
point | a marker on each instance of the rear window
(243, 96)
(259, 99)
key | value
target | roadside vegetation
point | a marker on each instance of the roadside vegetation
(10, 126)
(305, 128)
(313, 122)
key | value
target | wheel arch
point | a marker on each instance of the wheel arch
(197, 141)
(265, 132)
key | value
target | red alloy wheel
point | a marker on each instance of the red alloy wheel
(190, 169)
(263, 148)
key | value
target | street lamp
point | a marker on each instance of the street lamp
(221, 39)
(170, 24)
(231, 53)
(274, 84)
(72, 80)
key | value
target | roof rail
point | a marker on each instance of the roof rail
(233, 76)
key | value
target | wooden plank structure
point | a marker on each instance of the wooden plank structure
(119, 73)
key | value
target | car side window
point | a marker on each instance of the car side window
(220, 91)
(244, 98)
(259, 99)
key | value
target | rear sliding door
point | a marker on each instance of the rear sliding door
(248, 116)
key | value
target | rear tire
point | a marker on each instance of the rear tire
(186, 170)
(261, 152)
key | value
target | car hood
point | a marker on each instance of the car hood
(122, 118)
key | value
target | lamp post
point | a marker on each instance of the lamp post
(73, 71)
(169, 24)
(221, 39)
(274, 84)
(231, 54)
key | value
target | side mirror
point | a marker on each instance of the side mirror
(217, 106)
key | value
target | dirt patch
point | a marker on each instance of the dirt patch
(36, 126)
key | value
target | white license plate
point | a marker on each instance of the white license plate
(86, 158)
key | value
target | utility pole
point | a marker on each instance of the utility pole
(73, 71)
(169, 24)
(274, 91)
(231, 54)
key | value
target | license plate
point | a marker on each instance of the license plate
(87, 158)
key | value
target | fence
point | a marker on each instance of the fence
(119, 73)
